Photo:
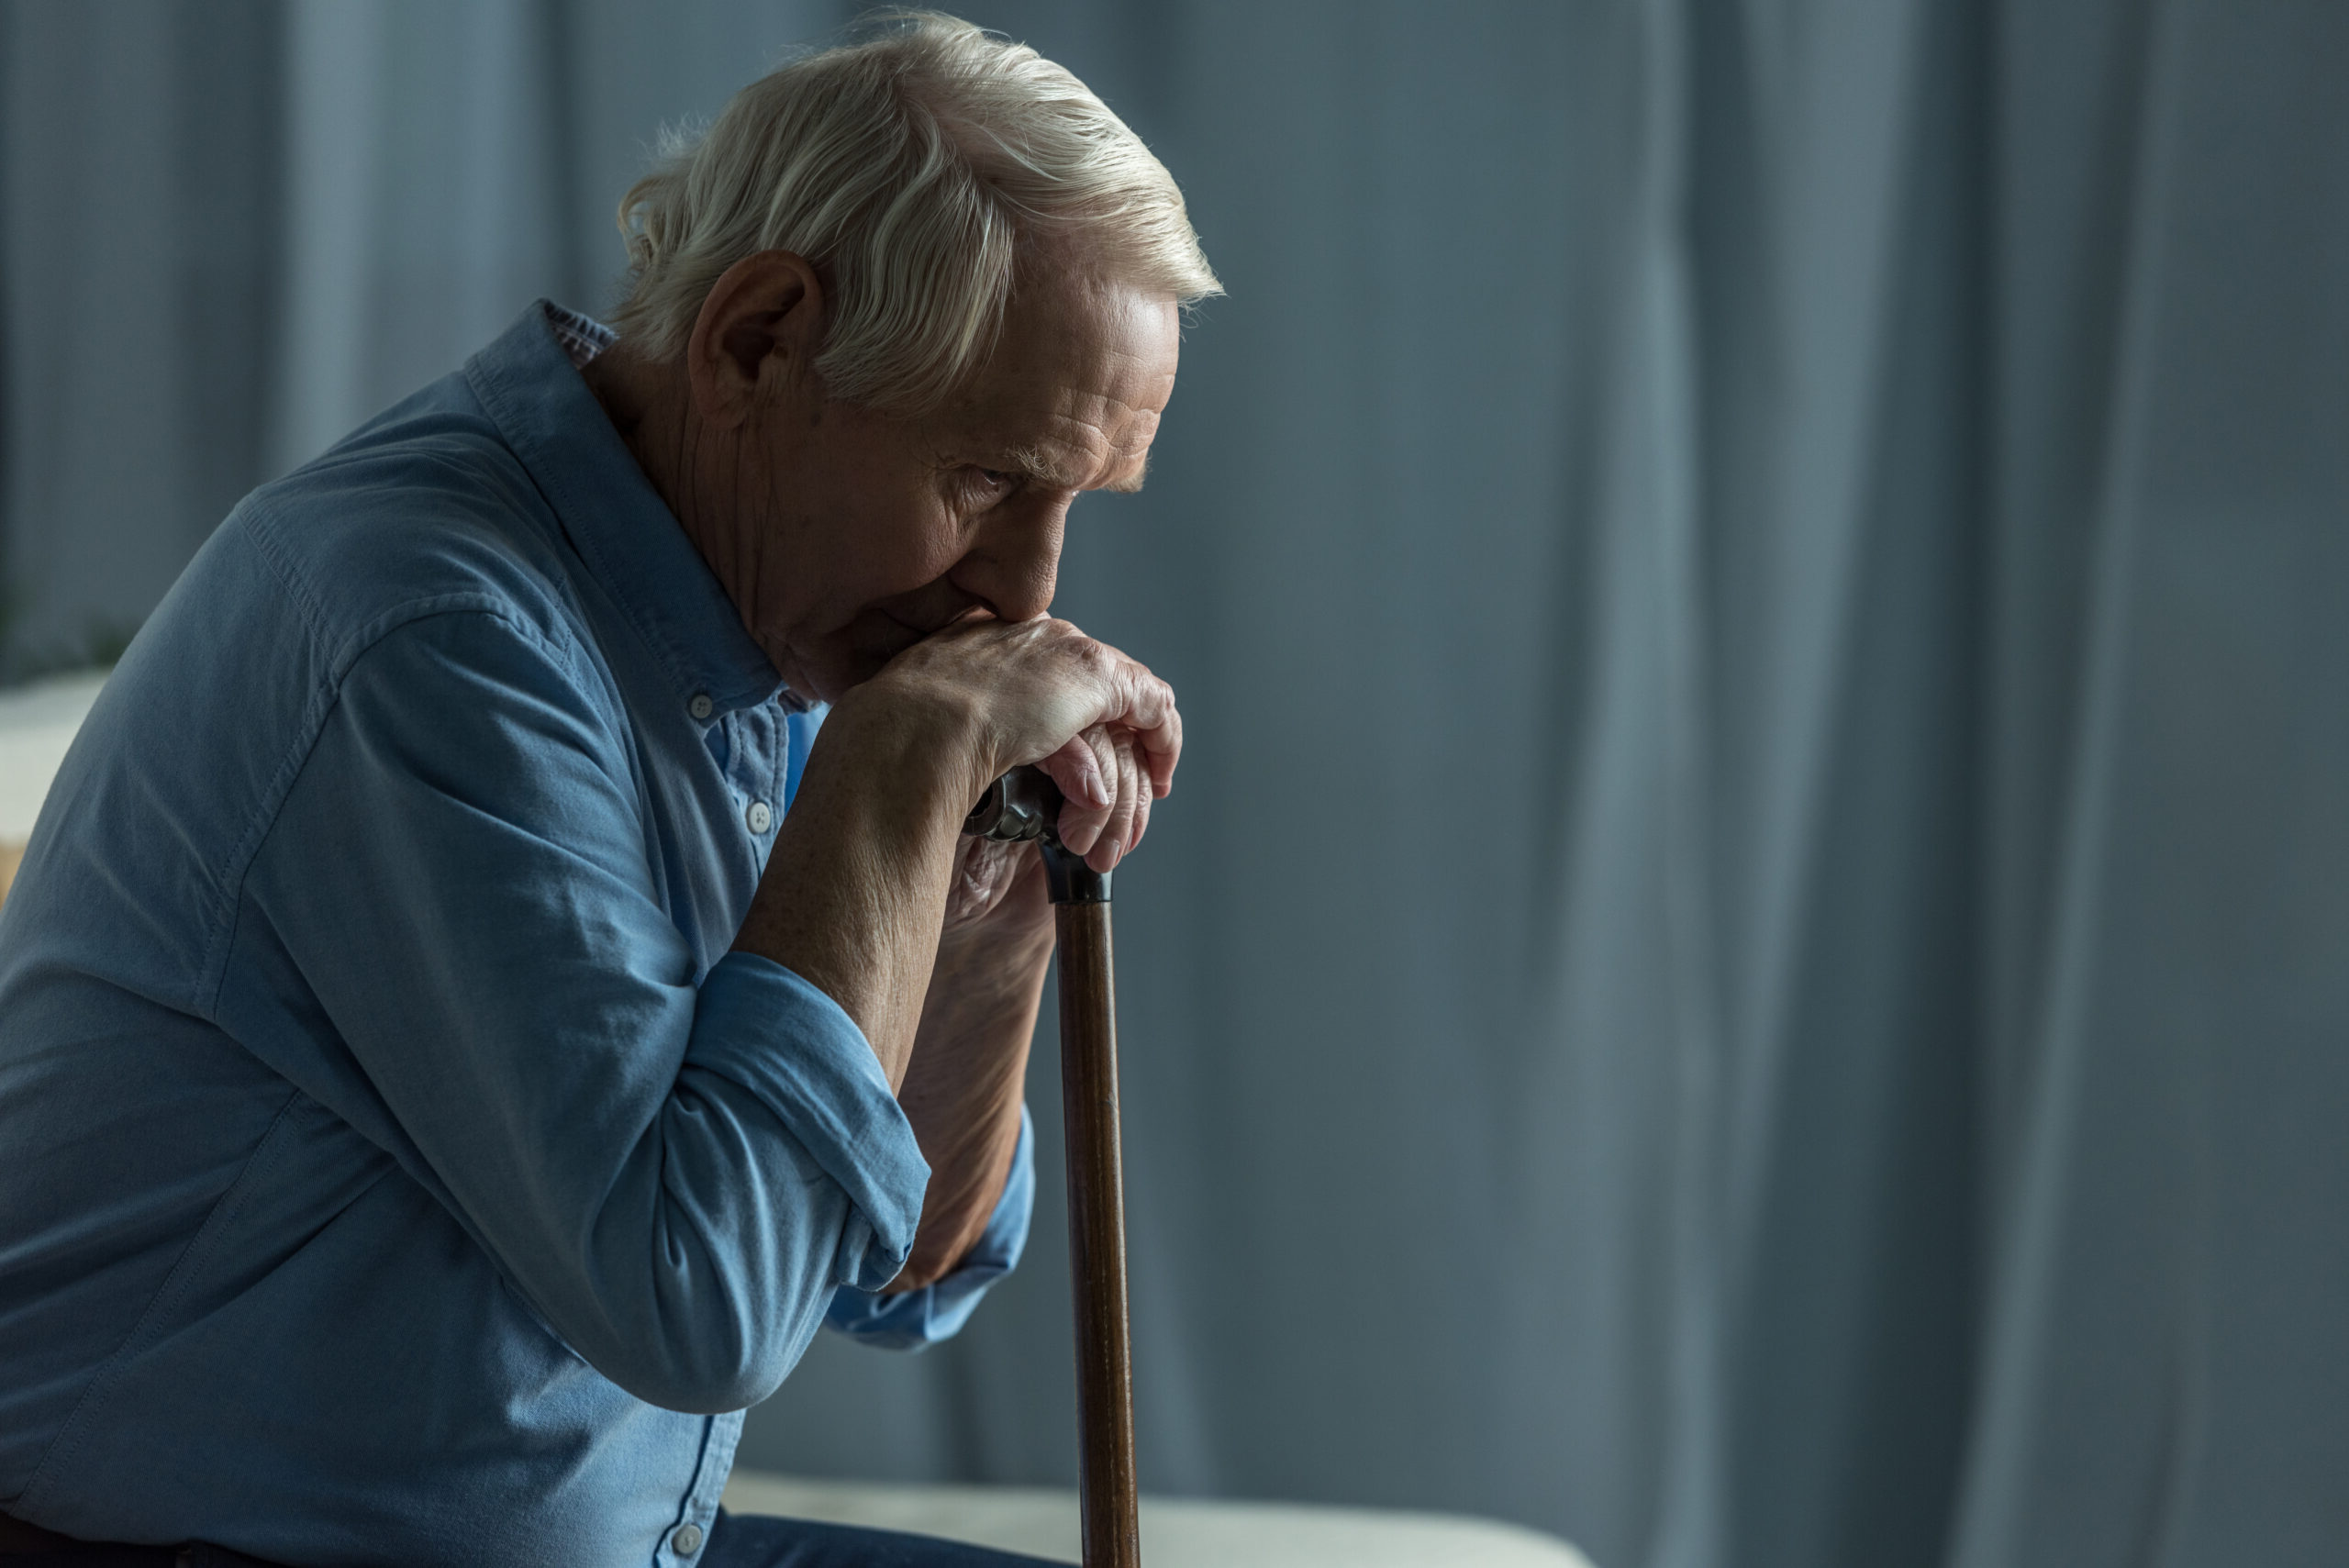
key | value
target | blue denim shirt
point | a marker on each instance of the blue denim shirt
(398, 1167)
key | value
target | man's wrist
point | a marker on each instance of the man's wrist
(919, 734)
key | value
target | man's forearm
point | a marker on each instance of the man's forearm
(855, 890)
(963, 1090)
(852, 901)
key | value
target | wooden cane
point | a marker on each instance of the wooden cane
(1025, 805)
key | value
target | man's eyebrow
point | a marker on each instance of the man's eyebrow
(1040, 465)
(1044, 469)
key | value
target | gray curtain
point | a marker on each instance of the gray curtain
(1747, 965)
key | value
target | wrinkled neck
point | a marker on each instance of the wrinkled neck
(692, 467)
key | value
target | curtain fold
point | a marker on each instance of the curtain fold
(1746, 962)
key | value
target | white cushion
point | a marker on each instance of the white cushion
(1176, 1532)
(37, 723)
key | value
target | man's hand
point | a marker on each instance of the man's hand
(856, 891)
(1042, 678)
(984, 872)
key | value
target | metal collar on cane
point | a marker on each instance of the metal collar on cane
(1025, 805)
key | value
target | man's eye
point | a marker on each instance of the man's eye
(989, 487)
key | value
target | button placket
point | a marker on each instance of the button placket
(699, 1510)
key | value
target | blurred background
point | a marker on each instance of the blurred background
(1748, 965)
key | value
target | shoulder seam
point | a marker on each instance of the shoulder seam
(260, 523)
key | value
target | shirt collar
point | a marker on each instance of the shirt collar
(528, 381)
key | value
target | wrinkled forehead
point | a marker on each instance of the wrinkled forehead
(1076, 384)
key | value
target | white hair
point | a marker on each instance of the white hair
(914, 171)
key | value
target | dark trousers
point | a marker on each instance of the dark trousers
(61, 1551)
(751, 1540)
(735, 1542)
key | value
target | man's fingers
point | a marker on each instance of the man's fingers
(1080, 821)
(1159, 745)
(1133, 788)
(1077, 769)
(1155, 725)
(1142, 707)
(1145, 791)
(1105, 835)
(1082, 824)
(984, 871)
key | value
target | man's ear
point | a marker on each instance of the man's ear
(758, 331)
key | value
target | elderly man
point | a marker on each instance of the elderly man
(462, 1028)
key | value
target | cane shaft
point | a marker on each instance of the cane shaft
(1096, 1231)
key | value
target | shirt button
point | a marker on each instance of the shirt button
(701, 707)
(759, 817)
(686, 1541)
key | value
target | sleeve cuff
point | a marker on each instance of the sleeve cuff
(918, 1318)
(762, 1025)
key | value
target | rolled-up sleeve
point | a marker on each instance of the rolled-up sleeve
(677, 1172)
(915, 1319)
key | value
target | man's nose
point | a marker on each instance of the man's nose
(1013, 563)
